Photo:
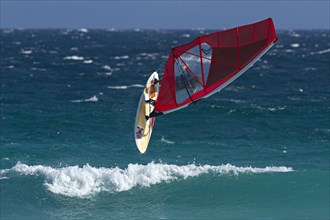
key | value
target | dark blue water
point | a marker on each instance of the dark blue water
(259, 149)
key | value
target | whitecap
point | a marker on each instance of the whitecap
(294, 45)
(148, 56)
(275, 109)
(91, 99)
(121, 57)
(126, 86)
(74, 57)
(85, 181)
(323, 51)
(38, 69)
(112, 29)
(106, 67)
(117, 87)
(88, 61)
(310, 69)
(166, 141)
(26, 51)
(294, 34)
(83, 30)
(185, 35)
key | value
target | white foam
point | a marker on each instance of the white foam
(276, 109)
(166, 141)
(91, 99)
(75, 181)
(112, 29)
(294, 34)
(106, 67)
(38, 69)
(88, 61)
(26, 51)
(185, 35)
(295, 45)
(121, 57)
(310, 69)
(83, 30)
(324, 51)
(147, 56)
(126, 86)
(74, 57)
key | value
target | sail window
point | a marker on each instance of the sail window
(186, 83)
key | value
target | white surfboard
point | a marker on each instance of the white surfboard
(143, 127)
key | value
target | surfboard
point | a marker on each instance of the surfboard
(143, 127)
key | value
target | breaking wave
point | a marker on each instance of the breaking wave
(85, 181)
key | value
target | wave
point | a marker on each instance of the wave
(74, 57)
(88, 61)
(106, 67)
(91, 99)
(121, 57)
(86, 181)
(83, 30)
(321, 51)
(23, 51)
(295, 45)
(166, 141)
(324, 51)
(126, 86)
(294, 34)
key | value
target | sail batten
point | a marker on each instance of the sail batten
(209, 63)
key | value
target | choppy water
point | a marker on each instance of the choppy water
(259, 149)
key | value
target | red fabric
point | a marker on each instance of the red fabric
(232, 50)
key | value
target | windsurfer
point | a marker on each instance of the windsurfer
(150, 92)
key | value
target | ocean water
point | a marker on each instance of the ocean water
(259, 149)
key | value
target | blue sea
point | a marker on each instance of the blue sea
(258, 149)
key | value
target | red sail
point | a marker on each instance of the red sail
(210, 62)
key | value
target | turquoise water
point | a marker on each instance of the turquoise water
(259, 149)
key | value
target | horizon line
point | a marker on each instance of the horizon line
(141, 29)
